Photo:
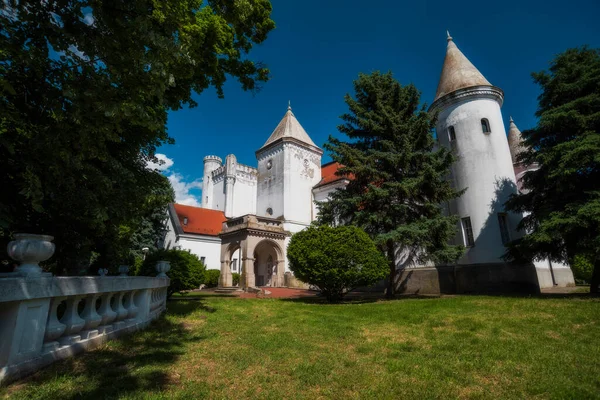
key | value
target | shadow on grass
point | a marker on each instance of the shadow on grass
(135, 363)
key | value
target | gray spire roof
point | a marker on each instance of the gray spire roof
(458, 72)
(289, 127)
(515, 141)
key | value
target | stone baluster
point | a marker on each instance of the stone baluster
(74, 323)
(54, 329)
(130, 306)
(120, 310)
(91, 317)
(106, 312)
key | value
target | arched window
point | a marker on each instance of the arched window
(451, 134)
(485, 125)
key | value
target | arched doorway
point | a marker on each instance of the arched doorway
(266, 264)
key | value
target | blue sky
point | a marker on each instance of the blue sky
(319, 47)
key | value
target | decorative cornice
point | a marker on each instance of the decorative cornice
(491, 92)
(287, 140)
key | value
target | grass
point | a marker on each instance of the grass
(451, 347)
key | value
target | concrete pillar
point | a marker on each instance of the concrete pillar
(225, 277)
(247, 278)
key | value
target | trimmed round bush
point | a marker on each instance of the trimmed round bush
(336, 260)
(235, 279)
(211, 278)
(187, 271)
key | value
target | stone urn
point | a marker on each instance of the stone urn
(30, 250)
(162, 267)
(103, 271)
(123, 270)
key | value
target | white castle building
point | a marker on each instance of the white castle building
(249, 214)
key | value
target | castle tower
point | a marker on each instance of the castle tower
(470, 123)
(289, 165)
(516, 145)
(211, 163)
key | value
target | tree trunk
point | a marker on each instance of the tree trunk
(595, 281)
(391, 256)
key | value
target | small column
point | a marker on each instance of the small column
(230, 171)
(225, 278)
(247, 278)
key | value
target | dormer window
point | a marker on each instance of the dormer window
(485, 125)
(185, 220)
(451, 134)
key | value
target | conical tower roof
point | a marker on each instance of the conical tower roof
(458, 72)
(289, 127)
(515, 141)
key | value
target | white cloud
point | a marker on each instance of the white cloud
(163, 164)
(183, 190)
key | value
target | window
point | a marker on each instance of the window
(504, 233)
(467, 232)
(451, 134)
(234, 265)
(185, 220)
(269, 211)
(203, 259)
(485, 126)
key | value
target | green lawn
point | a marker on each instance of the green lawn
(451, 347)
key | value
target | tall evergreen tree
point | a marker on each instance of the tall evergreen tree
(398, 186)
(563, 195)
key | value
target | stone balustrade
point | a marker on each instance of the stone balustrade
(44, 318)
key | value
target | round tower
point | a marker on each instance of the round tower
(211, 163)
(470, 123)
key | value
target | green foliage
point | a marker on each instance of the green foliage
(562, 197)
(235, 279)
(399, 179)
(582, 269)
(211, 278)
(336, 260)
(85, 89)
(186, 273)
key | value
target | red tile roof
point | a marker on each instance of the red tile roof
(328, 174)
(201, 221)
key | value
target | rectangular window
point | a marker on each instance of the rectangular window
(234, 265)
(202, 259)
(467, 232)
(451, 134)
(504, 232)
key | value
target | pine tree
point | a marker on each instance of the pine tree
(398, 186)
(563, 195)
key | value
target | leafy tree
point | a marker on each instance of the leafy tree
(211, 278)
(186, 273)
(563, 195)
(85, 88)
(399, 179)
(336, 260)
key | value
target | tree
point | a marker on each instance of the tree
(399, 179)
(186, 273)
(562, 199)
(85, 88)
(336, 260)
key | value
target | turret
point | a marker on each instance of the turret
(230, 172)
(211, 163)
(517, 146)
(470, 123)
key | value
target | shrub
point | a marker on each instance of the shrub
(582, 268)
(235, 279)
(336, 260)
(187, 271)
(211, 278)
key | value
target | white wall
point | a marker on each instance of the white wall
(244, 191)
(203, 246)
(302, 169)
(270, 182)
(170, 236)
(483, 165)
(218, 197)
